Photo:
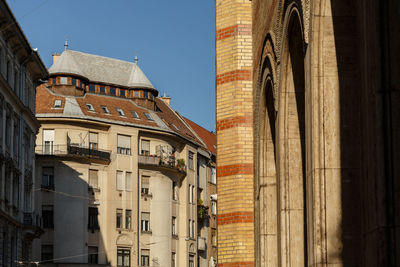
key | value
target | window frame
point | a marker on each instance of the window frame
(119, 218)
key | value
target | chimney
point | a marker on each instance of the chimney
(166, 99)
(55, 57)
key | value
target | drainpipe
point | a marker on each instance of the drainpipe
(138, 210)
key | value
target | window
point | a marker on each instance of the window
(174, 232)
(193, 228)
(128, 219)
(93, 178)
(123, 144)
(92, 255)
(92, 88)
(119, 180)
(134, 114)
(48, 140)
(102, 90)
(145, 185)
(93, 223)
(89, 107)
(174, 191)
(173, 259)
(8, 71)
(48, 216)
(190, 160)
(47, 253)
(144, 257)
(119, 218)
(136, 93)
(213, 237)
(190, 228)
(48, 177)
(57, 103)
(213, 176)
(122, 92)
(54, 80)
(63, 80)
(192, 195)
(123, 257)
(145, 94)
(145, 144)
(105, 109)
(93, 140)
(128, 181)
(191, 261)
(213, 207)
(73, 81)
(120, 112)
(112, 90)
(148, 116)
(145, 226)
(83, 84)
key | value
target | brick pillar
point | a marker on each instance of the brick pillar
(234, 133)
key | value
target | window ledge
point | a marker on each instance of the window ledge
(146, 232)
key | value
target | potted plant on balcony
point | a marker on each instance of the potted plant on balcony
(180, 164)
(202, 210)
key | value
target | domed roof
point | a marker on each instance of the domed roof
(101, 69)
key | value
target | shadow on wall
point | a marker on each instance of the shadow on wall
(365, 43)
(72, 233)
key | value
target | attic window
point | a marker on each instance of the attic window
(57, 103)
(112, 91)
(148, 116)
(91, 88)
(122, 92)
(89, 107)
(136, 93)
(105, 109)
(120, 112)
(134, 114)
(63, 80)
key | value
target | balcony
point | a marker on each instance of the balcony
(32, 223)
(201, 243)
(75, 152)
(165, 163)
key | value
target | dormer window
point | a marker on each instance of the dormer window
(112, 91)
(122, 92)
(136, 93)
(134, 114)
(57, 103)
(89, 107)
(105, 109)
(92, 88)
(148, 116)
(102, 90)
(63, 80)
(73, 81)
(120, 112)
(145, 94)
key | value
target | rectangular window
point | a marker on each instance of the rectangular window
(92, 88)
(190, 160)
(174, 191)
(144, 257)
(123, 144)
(94, 178)
(128, 219)
(48, 216)
(93, 223)
(119, 180)
(120, 112)
(145, 94)
(136, 93)
(193, 228)
(48, 141)
(190, 194)
(145, 185)
(105, 109)
(145, 222)
(93, 140)
(134, 114)
(102, 90)
(119, 218)
(122, 92)
(174, 230)
(54, 80)
(112, 90)
(191, 261)
(148, 116)
(190, 228)
(93, 255)
(213, 237)
(145, 147)
(48, 177)
(213, 207)
(213, 175)
(63, 80)
(123, 257)
(128, 181)
(47, 253)
(57, 103)
(73, 81)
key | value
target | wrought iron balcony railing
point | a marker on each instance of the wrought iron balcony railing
(74, 150)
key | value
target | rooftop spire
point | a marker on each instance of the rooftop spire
(66, 43)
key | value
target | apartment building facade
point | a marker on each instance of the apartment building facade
(20, 70)
(117, 168)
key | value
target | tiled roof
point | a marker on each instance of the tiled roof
(209, 138)
(165, 119)
(101, 69)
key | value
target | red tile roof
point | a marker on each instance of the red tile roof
(209, 138)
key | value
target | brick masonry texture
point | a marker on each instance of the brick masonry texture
(240, 29)
(236, 75)
(234, 133)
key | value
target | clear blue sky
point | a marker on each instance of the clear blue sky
(174, 41)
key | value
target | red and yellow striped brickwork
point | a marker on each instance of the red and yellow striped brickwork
(234, 133)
